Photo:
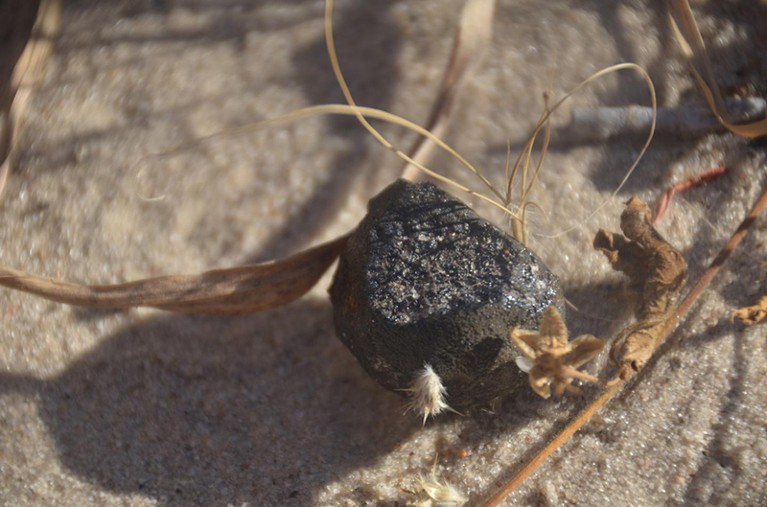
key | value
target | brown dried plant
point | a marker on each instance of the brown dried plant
(627, 371)
(641, 340)
(750, 315)
(555, 359)
(657, 273)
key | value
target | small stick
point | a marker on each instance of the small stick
(686, 184)
(617, 383)
(601, 123)
(724, 253)
(557, 442)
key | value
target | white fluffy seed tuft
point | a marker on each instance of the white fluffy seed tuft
(427, 394)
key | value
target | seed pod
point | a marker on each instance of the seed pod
(425, 284)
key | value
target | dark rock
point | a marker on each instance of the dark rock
(425, 280)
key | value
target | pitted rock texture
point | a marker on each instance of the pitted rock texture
(425, 280)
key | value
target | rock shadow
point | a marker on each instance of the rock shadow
(258, 410)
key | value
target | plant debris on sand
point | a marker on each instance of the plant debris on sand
(657, 273)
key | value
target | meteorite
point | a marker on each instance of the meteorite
(427, 287)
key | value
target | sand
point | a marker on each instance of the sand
(145, 407)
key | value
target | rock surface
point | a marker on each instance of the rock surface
(425, 280)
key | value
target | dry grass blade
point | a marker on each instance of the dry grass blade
(27, 32)
(362, 117)
(691, 41)
(472, 40)
(244, 289)
(477, 15)
(523, 161)
(365, 113)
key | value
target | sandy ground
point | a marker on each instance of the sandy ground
(151, 408)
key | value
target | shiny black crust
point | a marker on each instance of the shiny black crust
(425, 280)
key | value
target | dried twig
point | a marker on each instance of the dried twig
(601, 123)
(472, 40)
(563, 436)
(723, 255)
(686, 184)
(476, 16)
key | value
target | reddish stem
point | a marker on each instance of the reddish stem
(686, 184)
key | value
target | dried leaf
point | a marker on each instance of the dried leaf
(472, 40)
(27, 32)
(657, 273)
(750, 315)
(691, 42)
(244, 289)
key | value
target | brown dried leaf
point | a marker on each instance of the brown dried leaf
(657, 273)
(750, 315)
(244, 289)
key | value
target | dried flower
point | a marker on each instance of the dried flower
(555, 359)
